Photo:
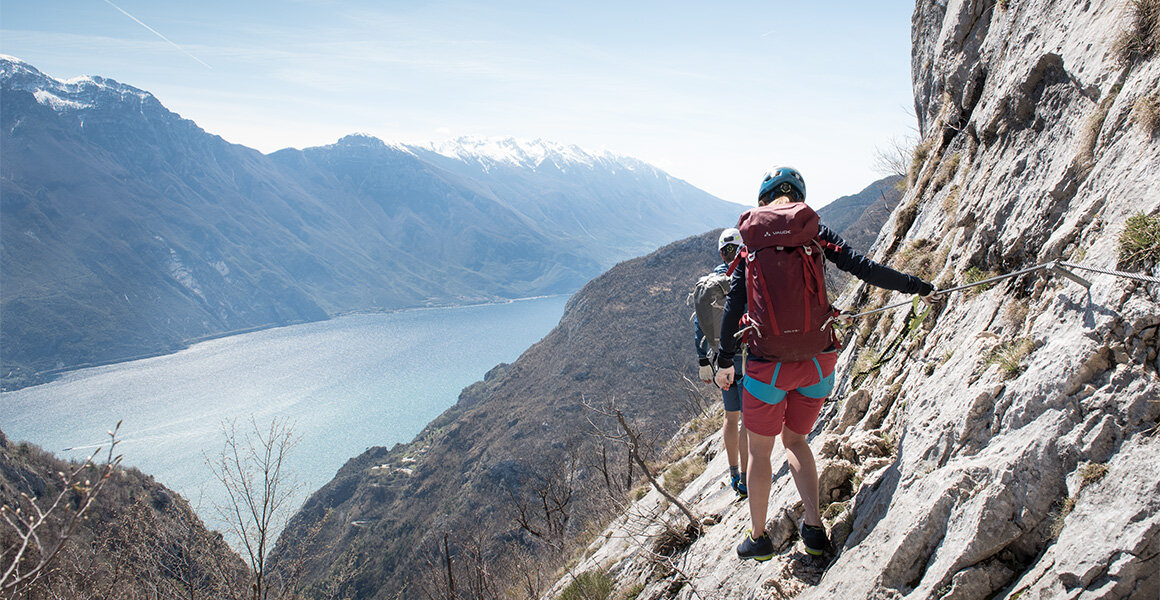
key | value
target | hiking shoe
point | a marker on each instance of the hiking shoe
(760, 549)
(740, 487)
(815, 539)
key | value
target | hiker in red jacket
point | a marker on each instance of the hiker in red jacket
(792, 352)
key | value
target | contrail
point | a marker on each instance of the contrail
(158, 34)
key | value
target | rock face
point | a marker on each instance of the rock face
(1006, 447)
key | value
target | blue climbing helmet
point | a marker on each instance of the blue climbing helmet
(783, 180)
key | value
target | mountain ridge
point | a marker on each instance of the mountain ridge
(129, 231)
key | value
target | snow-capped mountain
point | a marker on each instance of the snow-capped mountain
(526, 154)
(128, 229)
(76, 94)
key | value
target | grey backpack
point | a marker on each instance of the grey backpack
(708, 299)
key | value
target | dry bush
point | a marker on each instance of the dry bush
(135, 539)
(1016, 312)
(1146, 112)
(1140, 41)
(251, 467)
(919, 156)
(895, 158)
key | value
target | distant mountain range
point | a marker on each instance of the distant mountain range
(128, 230)
(860, 217)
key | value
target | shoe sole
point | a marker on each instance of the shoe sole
(762, 558)
(813, 552)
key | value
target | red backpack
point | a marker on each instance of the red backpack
(785, 283)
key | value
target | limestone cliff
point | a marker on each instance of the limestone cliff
(1007, 446)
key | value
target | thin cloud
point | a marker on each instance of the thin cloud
(158, 34)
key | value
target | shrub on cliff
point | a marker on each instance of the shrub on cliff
(1140, 241)
(1142, 38)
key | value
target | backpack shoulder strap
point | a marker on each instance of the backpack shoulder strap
(741, 254)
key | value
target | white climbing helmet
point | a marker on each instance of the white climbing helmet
(729, 237)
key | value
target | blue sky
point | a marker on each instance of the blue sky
(714, 94)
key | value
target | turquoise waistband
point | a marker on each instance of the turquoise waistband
(770, 394)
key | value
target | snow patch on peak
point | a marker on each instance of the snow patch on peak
(367, 140)
(529, 154)
(13, 59)
(78, 93)
(57, 103)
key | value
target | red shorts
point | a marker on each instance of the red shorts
(786, 393)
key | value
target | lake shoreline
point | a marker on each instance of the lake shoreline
(48, 376)
(345, 384)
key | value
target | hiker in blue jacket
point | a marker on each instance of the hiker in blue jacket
(793, 395)
(738, 453)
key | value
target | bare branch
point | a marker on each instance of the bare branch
(250, 467)
(28, 532)
(896, 156)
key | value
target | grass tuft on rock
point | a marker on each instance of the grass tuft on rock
(1146, 113)
(1140, 241)
(682, 473)
(1009, 356)
(922, 258)
(1140, 41)
(921, 153)
(975, 275)
(1059, 516)
(1091, 473)
(592, 585)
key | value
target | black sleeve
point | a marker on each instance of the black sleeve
(734, 308)
(850, 261)
(699, 341)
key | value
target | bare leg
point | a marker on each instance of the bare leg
(804, 471)
(730, 434)
(760, 475)
(744, 445)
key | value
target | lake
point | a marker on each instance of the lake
(345, 384)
